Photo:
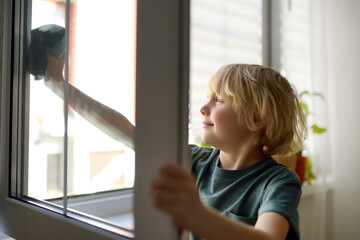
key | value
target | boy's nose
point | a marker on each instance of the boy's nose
(204, 110)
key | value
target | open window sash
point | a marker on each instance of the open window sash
(161, 118)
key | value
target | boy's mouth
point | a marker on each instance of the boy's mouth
(207, 124)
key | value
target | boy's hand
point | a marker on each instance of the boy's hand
(54, 78)
(54, 67)
(174, 191)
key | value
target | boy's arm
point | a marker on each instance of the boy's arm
(184, 235)
(269, 226)
(174, 192)
(273, 223)
(103, 117)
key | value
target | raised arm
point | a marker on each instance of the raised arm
(101, 116)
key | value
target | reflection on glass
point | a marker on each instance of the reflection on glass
(102, 66)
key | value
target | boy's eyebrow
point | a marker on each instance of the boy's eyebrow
(212, 94)
(209, 92)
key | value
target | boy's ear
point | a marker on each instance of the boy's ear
(259, 121)
(260, 125)
(257, 124)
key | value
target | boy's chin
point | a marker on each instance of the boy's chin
(207, 138)
(203, 140)
(206, 142)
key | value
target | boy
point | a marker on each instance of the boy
(239, 191)
(236, 190)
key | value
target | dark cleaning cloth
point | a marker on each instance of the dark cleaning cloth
(47, 37)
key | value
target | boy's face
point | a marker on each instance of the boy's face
(221, 126)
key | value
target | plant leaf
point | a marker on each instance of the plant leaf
(316, 129)
(310, 176)
(319, 95)
(303, 93)
(305, 107)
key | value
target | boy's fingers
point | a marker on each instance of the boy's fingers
(174, 170)
(62, 58)
(54, 66)
(163, 197)
(167, 183)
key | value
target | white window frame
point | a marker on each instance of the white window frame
(161, 132)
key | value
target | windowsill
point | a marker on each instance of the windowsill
(308, 190)
(317, 186)
(39, 208)
(5, 237)
(114, 207)
(125, 220)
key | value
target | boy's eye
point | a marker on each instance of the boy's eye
(217, 99)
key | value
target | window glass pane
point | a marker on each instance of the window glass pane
(102, 66)
(294, 55)
(221, 32)
(46, 119)
(294, 36)
(297, 56)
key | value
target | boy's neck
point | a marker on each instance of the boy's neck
(240, 159)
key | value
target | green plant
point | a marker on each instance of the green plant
(315, 128)
(309, 175)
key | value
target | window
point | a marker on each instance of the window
(297, 59)
(274, 33)
(84, 164)
(293, 57)
(64, 171)
(222, 32)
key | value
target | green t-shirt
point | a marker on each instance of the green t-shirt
(245, 194)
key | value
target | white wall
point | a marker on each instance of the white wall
(344, 83)
(343, 202)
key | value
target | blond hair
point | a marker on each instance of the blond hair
(264, 100)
